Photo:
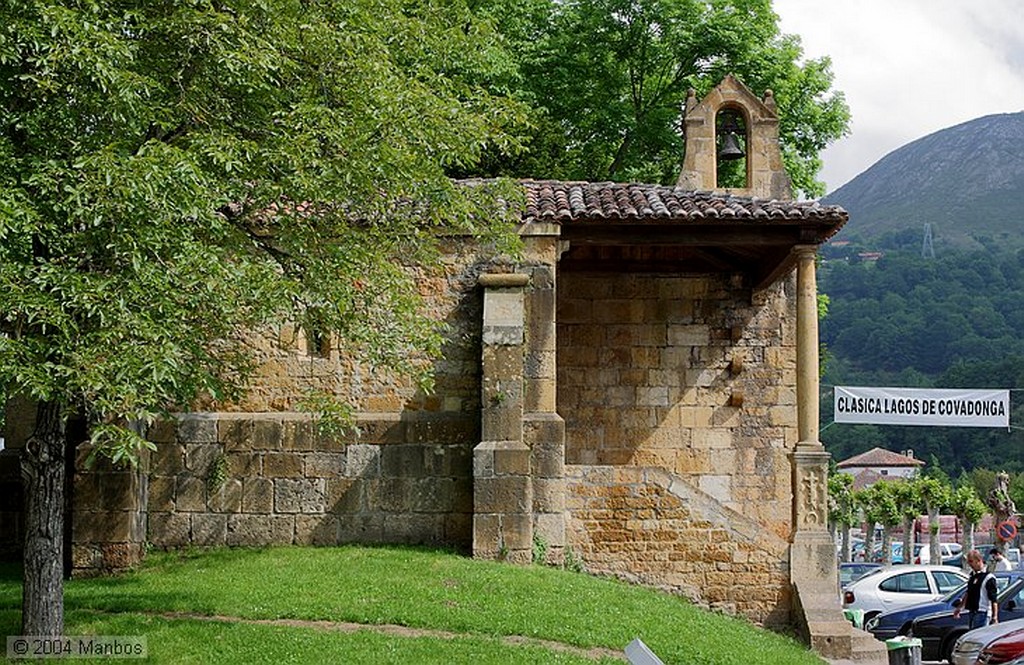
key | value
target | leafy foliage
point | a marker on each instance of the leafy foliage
(608, 79)
(172, 173)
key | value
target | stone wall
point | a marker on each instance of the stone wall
(679, 401)
(686, 374)
(648, 526)
(260, 479)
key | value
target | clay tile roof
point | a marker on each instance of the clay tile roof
(567, 202)
(879, 457)
(865, 478)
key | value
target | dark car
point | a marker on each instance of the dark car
(851, 571)
(897, 622)
(939, 632)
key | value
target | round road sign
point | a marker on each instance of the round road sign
(1006, 530)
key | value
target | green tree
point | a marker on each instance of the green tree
(609, 78)
(881, 506)
(910, 501)
(173, 173)
(842, 510)
(935, 496)
(969, 509)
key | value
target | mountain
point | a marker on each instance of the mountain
(967, 181)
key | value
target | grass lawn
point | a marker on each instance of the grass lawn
(391, 605)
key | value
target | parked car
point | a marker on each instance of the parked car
(893, 587)
(939, 632)
(950, 553)
(969, 645)
(1004, 649)
(851, 571)
(887, 625)
(1012, 554)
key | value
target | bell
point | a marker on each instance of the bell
(730, 147)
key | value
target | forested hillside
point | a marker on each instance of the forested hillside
(953, 321)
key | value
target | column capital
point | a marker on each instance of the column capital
(806, 251)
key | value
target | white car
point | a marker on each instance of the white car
(895, 587)
(948, 552)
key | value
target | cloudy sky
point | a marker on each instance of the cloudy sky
(910, 67)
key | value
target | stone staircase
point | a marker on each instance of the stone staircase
(829, 634)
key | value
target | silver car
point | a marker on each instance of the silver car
(969, 646)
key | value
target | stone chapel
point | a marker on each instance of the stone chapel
(637, 392)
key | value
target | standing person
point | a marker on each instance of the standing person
(980, 598)
(999, 562)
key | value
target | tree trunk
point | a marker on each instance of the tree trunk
(935, 534)
(887, 545)
(869, 542)
(968, 540)
(908, 538)
(846, 551)
(42, 470)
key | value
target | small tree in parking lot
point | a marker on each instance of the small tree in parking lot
(842, 510)
(908, 498)
(969, 509)
(935, 495)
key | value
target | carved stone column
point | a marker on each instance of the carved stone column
(810, 461)
(812, 554)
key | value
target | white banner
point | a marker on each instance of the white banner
(921, 406)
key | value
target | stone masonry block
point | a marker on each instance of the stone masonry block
(267, 434)
(503, 494)
(391, 495)
(299, 435)
(432, 495)
(244, 464)
(512, 461)
(551, 528)
(483, 460)
(345, 495)
(161, 493)
(282, 465)
(197, 428)
(236, 434)
(300, 496)
(363, 528)
(363, 461)
(190, 494)
(318, 530)
(517, 531)
(548, 495)
(169, 529)
(227, 498)
(324, 465)
(503, 422)
(486, 536)
(168, 459)
(381, 430)
(209, 530)
(502, 363)
(199, 458)
(404, 461)
(103, 527)
(260, 530)
(119, 491)
(443, 430)
(257, 495)
(162, 431)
